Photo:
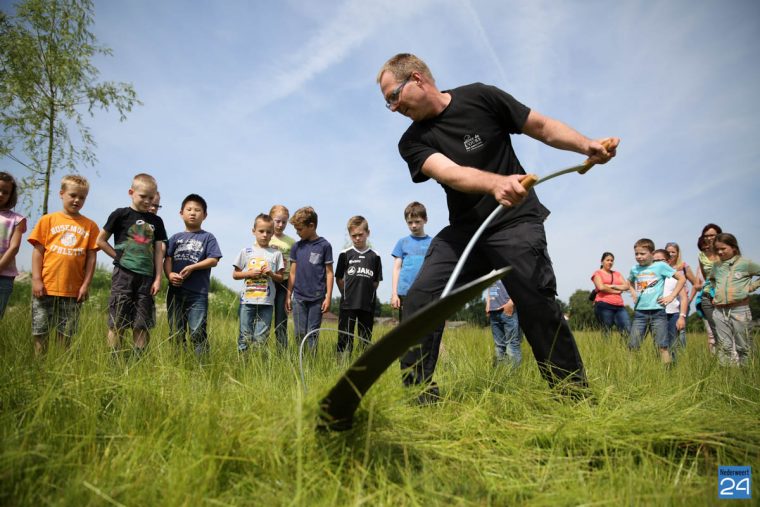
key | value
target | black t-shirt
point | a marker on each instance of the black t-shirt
(359, 271)
(135, 234)
(474, 131)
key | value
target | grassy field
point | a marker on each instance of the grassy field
(76, 429)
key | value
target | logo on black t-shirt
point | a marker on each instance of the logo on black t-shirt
(472, 142)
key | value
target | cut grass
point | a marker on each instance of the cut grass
(77, 429)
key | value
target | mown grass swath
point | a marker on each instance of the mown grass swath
(77, 429)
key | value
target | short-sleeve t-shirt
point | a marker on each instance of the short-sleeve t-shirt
(259, 290)
(283, 244)
(135, 234)
(9, 221)
(649, 282)
(186, 248)
(668, 288)
(411, 250)
(615, 278)
(66, 240)
(497, 296)
(359, 272)
(474, 131)
(311, 259)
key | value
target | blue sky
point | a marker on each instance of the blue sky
(256, 103)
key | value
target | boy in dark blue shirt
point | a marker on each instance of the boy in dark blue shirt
(311, 277)
(189, 258)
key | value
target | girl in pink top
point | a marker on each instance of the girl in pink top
(12, 227)
(608, 303)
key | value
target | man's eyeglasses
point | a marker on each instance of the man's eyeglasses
(393, 97)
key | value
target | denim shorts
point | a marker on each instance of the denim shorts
(131, 303)
(55, 312)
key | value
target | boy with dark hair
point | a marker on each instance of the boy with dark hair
(189, 258)
(311, 277)
(358, 273)
(647, 283)
(137, 263)
(408, 254)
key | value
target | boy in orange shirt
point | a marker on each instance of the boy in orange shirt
(63, 263)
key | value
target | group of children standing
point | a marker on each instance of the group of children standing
(280, 275)
(656, 284)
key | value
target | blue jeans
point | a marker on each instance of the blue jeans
(682, 332)
(656, 320)
(607, 315)
(6, 288)
(254, 325)
(506, 336)
(188, 311)
(281, 314)
(307, 316)
(673, 333)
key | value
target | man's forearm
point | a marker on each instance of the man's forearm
(555, 133)
(465, 179)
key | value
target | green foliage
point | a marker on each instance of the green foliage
(694, 323)
(381, 309)
(222, 300)
(474, 313)
(581, 311)
(47, 84)
(754, 305)
(385, 310)
(563, 307)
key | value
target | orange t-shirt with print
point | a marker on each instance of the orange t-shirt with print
(66, 241)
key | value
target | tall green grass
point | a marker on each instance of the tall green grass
(79, 429)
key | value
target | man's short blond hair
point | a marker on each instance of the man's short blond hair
(144, 180)
(76, 180)
(357, 221)
(304, 216)
(402, 65)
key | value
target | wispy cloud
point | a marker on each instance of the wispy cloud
(484, 39)
(343, 31)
